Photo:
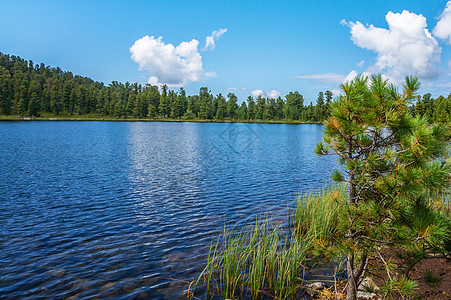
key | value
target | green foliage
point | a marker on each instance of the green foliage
(317, 214)
(392, 163)
(221, 110)
(232, 106)
(54, 92)
(151, 111)
(257, 260)
(294, 106)
(396, 286)
(434, 110)
(431, 279)
(163, 108)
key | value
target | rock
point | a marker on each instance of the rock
(367, 296)
(368, 284)
(367, 290)
(312, 289)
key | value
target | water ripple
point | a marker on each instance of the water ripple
(127, 210)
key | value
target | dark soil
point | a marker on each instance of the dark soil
(434, 279)
(433, 276)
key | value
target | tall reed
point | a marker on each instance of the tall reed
(316, 214)
(266, 259)
(259, 259)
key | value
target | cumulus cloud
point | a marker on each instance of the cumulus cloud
(353, 74)
(443, 28)
(215, 35)
(360, 63)
(174, 66)
(350, 76)
(257, 93)
(406, 48)
(274, 94)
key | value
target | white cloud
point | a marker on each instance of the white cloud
(336, 93)
(353, 74)
(406, 48)
(360, 63)
(273, 94)
(166, 64)
(350, 76)
(210, 40)
(257, 93)
(210, 74)
(443, 28)
(323, 77)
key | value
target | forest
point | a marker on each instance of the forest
(32, 90)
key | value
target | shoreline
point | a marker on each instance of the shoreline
(108, 119)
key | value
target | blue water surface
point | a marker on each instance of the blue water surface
(128, 209)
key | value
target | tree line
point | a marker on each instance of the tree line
(29, 89)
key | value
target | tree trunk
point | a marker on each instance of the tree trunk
(351, 289)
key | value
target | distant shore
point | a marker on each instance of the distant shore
(110, 119)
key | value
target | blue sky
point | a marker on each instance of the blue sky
(270, 47)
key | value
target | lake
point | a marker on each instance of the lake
(128, 209)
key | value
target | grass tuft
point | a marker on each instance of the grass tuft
(431, 279)
(264, 259)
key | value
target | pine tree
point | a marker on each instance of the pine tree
(205, 101)
(319, 113)
(280, 105)
(328, 102)
(261, 104)
(180, 104)
(242, 111)
(131, 104)
(294, 106)
(33, 105)
(251, 108)
(151, 111)
(232, 106)
(270, 109)
(222, 107)
(5, 91)
(21, 98)
(392, 163)
(163, 107)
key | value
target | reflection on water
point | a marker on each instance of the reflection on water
(127, 210)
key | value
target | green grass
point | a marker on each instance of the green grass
(264, 259)
(431, 279)
(258, 259)
(316, 214)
